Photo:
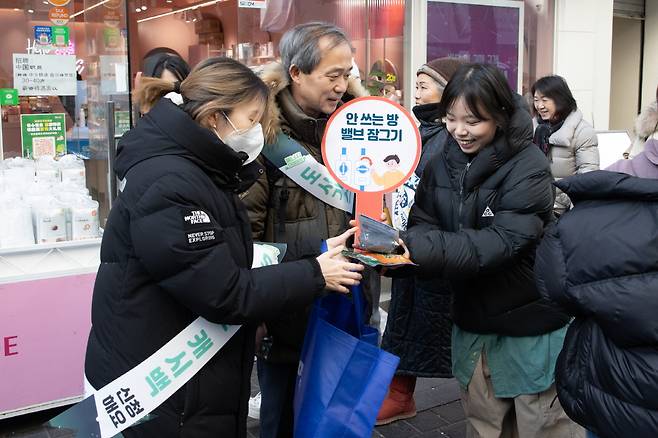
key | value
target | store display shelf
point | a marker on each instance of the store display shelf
(49, 260)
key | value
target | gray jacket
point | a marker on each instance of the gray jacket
(574, 150)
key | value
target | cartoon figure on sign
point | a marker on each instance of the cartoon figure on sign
(362, 171)
(392, 175)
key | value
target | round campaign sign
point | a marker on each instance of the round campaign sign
(371, 145)
(59, 16)
(59, 2)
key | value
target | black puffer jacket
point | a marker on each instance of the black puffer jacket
(477, 222)
(419, 329)
(601, 263)
(153, 282)
(433, 133)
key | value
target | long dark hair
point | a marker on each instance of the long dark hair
(484, 89)
(556, 88)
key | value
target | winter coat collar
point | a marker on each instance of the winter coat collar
(168, 130)
(306, 128)
(604, 185)
(427, 113)
(282, 106)
(430, 123)
(493, 156)
(564, 135)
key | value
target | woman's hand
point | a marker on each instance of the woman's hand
(337, 272)
(341, 240)
(406, 253)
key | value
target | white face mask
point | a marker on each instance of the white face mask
(250, 141)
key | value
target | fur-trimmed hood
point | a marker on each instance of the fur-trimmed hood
(276, 78)
(646, 123)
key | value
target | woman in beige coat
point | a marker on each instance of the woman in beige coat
(566, 138)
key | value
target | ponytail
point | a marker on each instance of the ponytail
(215, 85)
(149, 91)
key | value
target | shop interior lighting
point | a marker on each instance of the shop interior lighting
(176, 11)
(89, 8)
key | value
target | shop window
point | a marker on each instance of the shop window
(61, 62)
(375, 28)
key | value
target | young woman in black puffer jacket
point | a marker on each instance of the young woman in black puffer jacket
(481, 208)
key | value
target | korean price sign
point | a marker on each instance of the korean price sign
(45, 75)
(43, 134)
(371, 146)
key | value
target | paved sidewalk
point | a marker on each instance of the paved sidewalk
(440, 413)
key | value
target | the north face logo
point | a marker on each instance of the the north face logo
(197, 217)
(488, 212)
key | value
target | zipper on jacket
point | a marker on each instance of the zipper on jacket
(462, 178)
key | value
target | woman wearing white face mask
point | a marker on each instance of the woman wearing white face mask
(249, 140)
(177, 246)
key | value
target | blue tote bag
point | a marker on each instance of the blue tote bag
(343, 376)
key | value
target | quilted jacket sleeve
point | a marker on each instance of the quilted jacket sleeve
(551, 270)
(195, 263)
(587, 149)
(517, 227)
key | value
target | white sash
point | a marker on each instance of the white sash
(297, 164)
(131, 397)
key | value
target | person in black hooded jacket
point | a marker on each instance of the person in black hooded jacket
(601, 263)
(481, 208)
(181, 170)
